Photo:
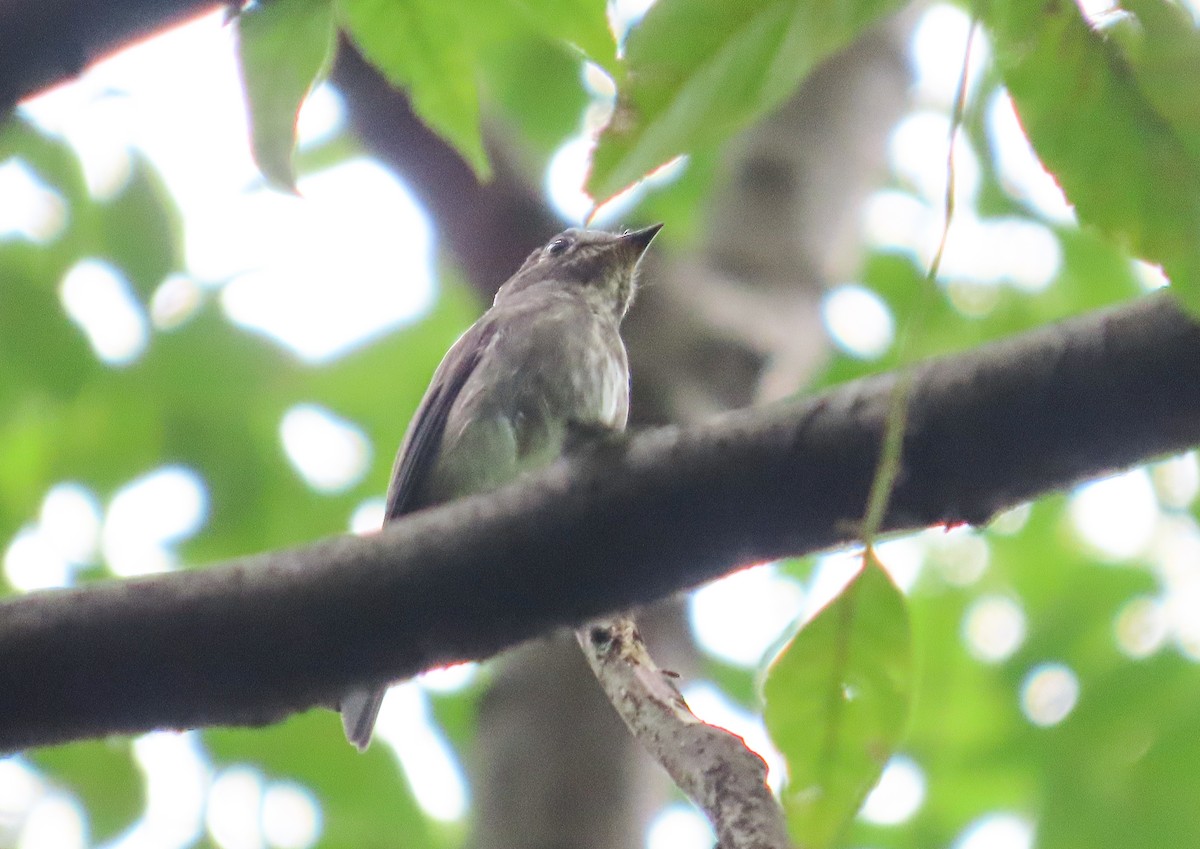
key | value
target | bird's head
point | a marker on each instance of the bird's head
(602, 265)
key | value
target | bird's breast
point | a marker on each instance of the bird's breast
(548, 368)
(605, 373)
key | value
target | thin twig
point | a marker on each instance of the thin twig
(897, 420)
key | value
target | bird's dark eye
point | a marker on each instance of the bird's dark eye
(558, 246)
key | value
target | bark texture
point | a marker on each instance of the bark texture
(251, 641)
(713, 767)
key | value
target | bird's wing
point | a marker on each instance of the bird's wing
(424, 440)
(360, 706)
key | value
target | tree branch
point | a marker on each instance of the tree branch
(713, 767)
(253, 640)
(43, 42)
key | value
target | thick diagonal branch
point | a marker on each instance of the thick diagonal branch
(253, 640)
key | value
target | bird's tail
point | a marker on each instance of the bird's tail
(359, 710)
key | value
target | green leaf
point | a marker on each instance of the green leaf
(1122, 146)
(425, 47)
(837, 702)
(102, 774)
(696, 71)
(284, 47)
(537, 85)
(1166, 61)
(580, 23)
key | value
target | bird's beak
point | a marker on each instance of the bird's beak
(639, 240)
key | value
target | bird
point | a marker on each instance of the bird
(543, 367)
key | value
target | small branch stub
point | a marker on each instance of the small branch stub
(712, 766)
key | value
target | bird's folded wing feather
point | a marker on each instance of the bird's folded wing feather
(424, 440)
(360, 707)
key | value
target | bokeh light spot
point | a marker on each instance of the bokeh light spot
(98, 298)
(1098, 12)
(858, 321)
(175, 301)
(1012, 520)
(902, 558)
(234, 802)
(737, 618)
(1049, 694)
(330, 453)
(148, 515)
(829, 577)
(599, 82)
(56, 820)
(1010, 250)
(898, 794)
(897, 220)
(32, 562)
(917, 150)
(1141, 627)
(70, 518)
(434, 773)
(959, 555)
(972, 298)
(565, 176)
(997, 831)
(31, 209)
(176, 775)
(1150, 276)
(321, 116)
(993, 628)
(321, 273)
(679, 827)
(1116, 516)
(97, 120)
(65, 537)
(20, 788)
(291, 816)
(1176, 481)
(368, 516)
(936, 53)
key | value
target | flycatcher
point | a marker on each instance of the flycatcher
(545, 361)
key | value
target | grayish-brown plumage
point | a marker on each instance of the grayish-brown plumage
(546, 359)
